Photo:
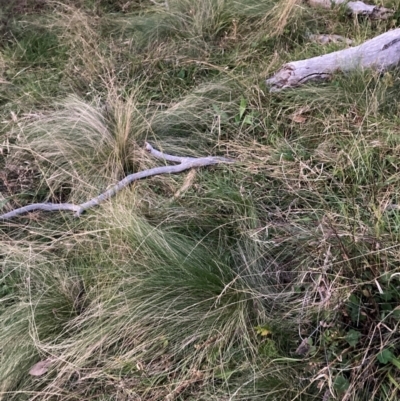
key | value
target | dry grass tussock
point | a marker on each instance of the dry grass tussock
(132, 320)
(92, 144)
(79, 31)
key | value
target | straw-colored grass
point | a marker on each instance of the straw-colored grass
(273, 278)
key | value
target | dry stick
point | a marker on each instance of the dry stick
(185, 163)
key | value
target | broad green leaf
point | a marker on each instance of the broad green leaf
(341, 384)
(385, 356)
(352, 337)
(223, 116)
(249, 119)
(396, 314)
(387, 295)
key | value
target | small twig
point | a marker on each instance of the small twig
(185, 163)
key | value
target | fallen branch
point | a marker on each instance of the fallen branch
(185, 163)
(355, 8)
(381, 53)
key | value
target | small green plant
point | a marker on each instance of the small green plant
(244, 116)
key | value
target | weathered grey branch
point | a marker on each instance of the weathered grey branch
(40, 206)
(185, 163)
(356, 8)
(381, 53)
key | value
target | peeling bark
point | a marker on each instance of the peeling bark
(381, 53)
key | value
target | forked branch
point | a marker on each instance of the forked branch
(185, 163)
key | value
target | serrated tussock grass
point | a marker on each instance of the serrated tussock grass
(92, 143)
(275, 277)
(162, 310)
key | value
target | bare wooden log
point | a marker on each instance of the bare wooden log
(356, 8)
(185, 163)
(381, 53)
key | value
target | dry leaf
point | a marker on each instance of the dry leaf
(325, 324)
(304, 348)
(265, 332)
(297, 118)
(40, 368)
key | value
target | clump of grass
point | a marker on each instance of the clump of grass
(209, 24)
(163, 311)
(199, 22)
(91, 144)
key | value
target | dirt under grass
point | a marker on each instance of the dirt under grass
(273, 278)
